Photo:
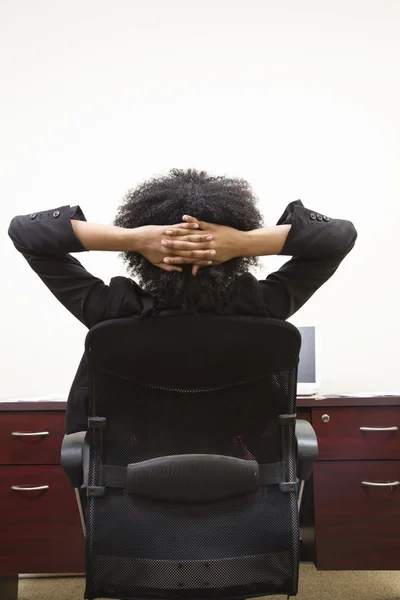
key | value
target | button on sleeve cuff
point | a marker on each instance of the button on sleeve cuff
(47, 232)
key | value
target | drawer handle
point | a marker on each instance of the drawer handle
(23, 488)
(29, 433)
(375, 484)
(394, 428)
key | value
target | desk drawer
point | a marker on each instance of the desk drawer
(40, 531)
(341, 438)
(31, 449)
(357, 526)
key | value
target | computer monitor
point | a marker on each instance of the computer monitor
(308, 380)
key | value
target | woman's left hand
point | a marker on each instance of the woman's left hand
(150, 242)
(227, 242)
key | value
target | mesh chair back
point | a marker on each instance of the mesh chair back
(182, 385)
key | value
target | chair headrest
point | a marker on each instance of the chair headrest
(193, 352)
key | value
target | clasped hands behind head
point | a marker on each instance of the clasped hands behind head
(199, 244)
(191, 242)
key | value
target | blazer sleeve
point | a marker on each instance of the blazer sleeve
(45, 239)
(317, 244)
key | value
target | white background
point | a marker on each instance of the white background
(301, 98)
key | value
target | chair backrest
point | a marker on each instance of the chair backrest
(201, 385)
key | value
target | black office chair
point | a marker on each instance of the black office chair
(188, 469)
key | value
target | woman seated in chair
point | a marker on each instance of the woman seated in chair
(191, 240)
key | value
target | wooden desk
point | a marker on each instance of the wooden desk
(356, 523)
(345, 524)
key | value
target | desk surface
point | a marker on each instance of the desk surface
(302, 402)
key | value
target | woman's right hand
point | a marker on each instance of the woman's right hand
(148, 241)
(227, 242)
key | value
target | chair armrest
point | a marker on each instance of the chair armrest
(307, 449)
(72, 457)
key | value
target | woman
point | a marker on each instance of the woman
(191, 239)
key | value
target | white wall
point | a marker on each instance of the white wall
(301, 98)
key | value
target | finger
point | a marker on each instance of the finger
(186, 245)
(186, 260)
(195, 270)
(196, 267)
(193, 220)
(190, 219)
(169, 268)
(191, 237)
(185, 226)
(195, 254)
(181, 230)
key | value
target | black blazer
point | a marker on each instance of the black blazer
(316, 242)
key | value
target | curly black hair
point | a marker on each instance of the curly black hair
(163, 201)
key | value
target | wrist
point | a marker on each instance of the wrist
(243, 243)
(133, 240)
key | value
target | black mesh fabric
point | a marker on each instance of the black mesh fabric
(237, 548)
